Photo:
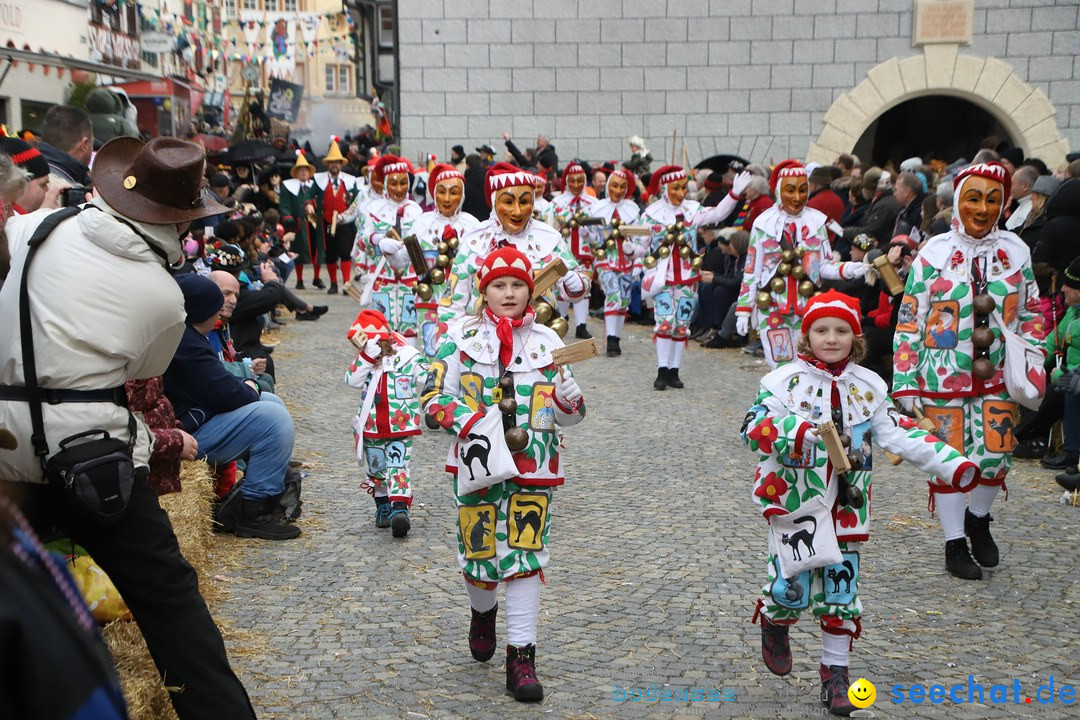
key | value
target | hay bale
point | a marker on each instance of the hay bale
(190, 513)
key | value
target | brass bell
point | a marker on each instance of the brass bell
(664, 251)
(438, 277)
(764, 300)
(854, 459)
(566, 232)
(680, 226)
(683, 240)
(508, 405)
(615, 233)
(982, 337)
(574, 222)
(442, 248)
(649, 262)
(671, 238)
(423, 291)
(560, 326)
(784, 269)
(788, 255)
(516, 439)
(982, 368)
(543, 312)
(798, 272)
(615, 223)
(506, 383)
(600, 254)
(845, 440)
(696, 263)
(442, 261)
(855, 497)
(777, 285)
(799, 252)
(611, 244)
(685, 252)
(984, 304)
(453, 243)
(806, 288)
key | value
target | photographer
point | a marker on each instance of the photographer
(67, 142)
(104, 310)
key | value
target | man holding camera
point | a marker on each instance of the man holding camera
(103, 310)
(67, 142)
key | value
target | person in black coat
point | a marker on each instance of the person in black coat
(475, 203)
(1059, 240)
(880, 217)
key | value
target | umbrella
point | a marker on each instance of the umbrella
(722, 163)
(247, 152)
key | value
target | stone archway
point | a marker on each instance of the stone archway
(989, 83)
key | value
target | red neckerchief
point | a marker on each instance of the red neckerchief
(448, 232)
(504, 331)
(833, 369)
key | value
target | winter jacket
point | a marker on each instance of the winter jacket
(878, 221)
(1064, 341)
(65, 167)
(104, 311)
(148, 398)
(199, 386)
(1059, 241)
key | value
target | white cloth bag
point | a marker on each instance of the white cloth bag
(806, 538)
(483, 459)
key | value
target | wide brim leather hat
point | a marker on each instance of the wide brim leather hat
(158, 182)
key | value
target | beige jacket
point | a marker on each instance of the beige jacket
(104, 310)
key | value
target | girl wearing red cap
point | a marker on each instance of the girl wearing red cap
(510, 193)
(789, 256)
(672, 280)
(980, 275)
(439, 232)
(819, 517)
(618, 258)
(564, 206)
(494, 386)
(386, 371)
(385, 255)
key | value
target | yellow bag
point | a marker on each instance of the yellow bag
(97, 589)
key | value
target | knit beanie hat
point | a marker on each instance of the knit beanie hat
(1072, 275)
(202, 297)
(26, 156)
(506, 261)
(833, 304)
(372, 323)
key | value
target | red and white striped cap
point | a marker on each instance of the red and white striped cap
(663, 176)
(441, 173)
(390, 164)
(785, 169)
(502, 175)
(833, 304)
(992, 170)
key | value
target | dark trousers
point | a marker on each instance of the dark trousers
(339, 246)
(140, 555)
(1037, 424)
(1070, 429)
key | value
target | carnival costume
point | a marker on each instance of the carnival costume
(788, 257)
(565, 207)
(501, 368)
(949, 357)
(806, 500)
(338, 190)
(301, 202)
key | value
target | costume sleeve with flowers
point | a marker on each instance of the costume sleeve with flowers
(899, 435)
(456, 303)
(441, 398)
(751, 271)
(907, 338)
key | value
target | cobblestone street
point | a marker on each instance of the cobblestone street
(657, 559)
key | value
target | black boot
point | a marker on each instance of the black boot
(482, 634)
(226, 511)
(673, 380)
(983, 546)
(1034, 449)
(661, 379)
(958, 560)
(333, 289)
(834, 689)
(300, 285)
(1064, 461)
(582, 332)
(1070, 479)
(521, 674)
(317, 282)
(775, 647)
(256, 522)
(613, 349)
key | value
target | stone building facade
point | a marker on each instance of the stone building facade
(766, 79)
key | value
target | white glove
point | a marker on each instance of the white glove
(742, 323)
(573, 284)
(637, 273)
(372, 349)
(389, 246)
(738, 185)
(567, 390)
(854, 270)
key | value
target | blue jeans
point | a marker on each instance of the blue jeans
(1070, 428)
(262, 433)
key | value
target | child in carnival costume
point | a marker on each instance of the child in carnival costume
(386, 371)
(672, 280)
(795, 478)
(386, 255)
(949, 354)
(300, 202)
(618, 258)
(510, 193)
(439, 232)
(789, 256)
(499, 362)
(564, 206)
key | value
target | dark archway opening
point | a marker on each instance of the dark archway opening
(933, 126)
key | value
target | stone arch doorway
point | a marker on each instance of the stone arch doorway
(1024, 113)
(931, 126)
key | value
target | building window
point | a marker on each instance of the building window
(386, 26)
(343, 79)
(338, 79)
(331, 76)
(251, 4)
(289, 5)
(230, 8)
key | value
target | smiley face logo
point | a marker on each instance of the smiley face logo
(862, 693)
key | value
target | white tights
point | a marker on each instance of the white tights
(950, 508)
(522, 607)
(669, 353)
